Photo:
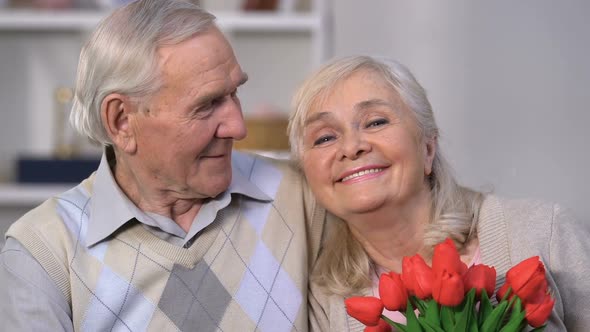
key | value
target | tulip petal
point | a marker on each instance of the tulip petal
(446, 257)
(382, 326)
(392, 291)
(448, 289)
(482, 278)
(365, 309)
(417, 276)
(537, 314)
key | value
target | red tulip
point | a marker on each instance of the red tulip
(538, 313)
(417, 276)
(481, 277)
(448, 289)
(502, 291)
(392, 291)
(446, 257)
(383, 326)
(527, 280)
(366, 309)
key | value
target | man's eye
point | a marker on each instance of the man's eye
(377, 123)
(216, 102)
(323, 139)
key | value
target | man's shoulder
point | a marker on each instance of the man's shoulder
(271, 164)
(54, 213)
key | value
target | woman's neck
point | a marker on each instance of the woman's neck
(392, 232)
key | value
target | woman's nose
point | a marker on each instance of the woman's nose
(354, 145)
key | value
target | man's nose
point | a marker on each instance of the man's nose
(232, 123)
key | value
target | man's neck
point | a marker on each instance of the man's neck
(151, 198)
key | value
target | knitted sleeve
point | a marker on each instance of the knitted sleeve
(569, 263)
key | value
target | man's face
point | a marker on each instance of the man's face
(185, 131)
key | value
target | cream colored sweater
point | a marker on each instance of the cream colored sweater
(510, 231)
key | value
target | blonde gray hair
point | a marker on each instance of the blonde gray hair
(344, 267)
(121, 56)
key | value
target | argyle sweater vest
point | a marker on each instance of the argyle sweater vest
(247, 271)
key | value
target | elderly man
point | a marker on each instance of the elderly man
(173, 231)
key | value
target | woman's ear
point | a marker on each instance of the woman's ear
(117, 112)
(429, 153)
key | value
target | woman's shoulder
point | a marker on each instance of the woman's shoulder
(512, 229)
(327, 311)
(519, 212)
(525, 227)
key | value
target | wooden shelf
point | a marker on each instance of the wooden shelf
(29, 194)
(80, 20)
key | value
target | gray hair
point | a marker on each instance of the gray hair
(455, 209)
(121, 56)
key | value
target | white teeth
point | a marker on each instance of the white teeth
(361, 173)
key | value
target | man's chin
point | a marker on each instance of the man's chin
(213, 184)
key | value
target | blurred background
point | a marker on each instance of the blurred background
(508, 82)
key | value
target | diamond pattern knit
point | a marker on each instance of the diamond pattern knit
(247, 271)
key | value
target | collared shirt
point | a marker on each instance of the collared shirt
(111, 208)
(30, 285)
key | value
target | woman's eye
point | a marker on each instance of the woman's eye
(377, 123)
(323, 139)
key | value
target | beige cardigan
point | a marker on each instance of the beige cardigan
(509, 231)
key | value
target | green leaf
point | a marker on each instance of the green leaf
(485, 308)
(398, 326)
(432, 315)
(493, 321)
(465, 312)
(510, 309)
(515, 315)
(516, 321)
(515, 324)
(507, 294)
(447, 318)
(412, 321)
(473, 324)
(419, 304)
(428, 327)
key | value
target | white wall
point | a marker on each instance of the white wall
(508, 81)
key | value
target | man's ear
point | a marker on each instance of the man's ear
(117, 112)
(429, 153)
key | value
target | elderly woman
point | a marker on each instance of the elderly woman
(364, 134)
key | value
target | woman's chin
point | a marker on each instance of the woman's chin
(360, 206)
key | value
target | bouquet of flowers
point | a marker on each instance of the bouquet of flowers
(449, 296)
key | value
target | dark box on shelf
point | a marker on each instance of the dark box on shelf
(52, 170)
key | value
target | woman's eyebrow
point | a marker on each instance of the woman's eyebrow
(317, 117)
(371, 103)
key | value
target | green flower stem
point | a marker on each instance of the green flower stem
(485, 309)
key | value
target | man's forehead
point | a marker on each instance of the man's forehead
(206, 49)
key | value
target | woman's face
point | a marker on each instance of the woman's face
(362, 149)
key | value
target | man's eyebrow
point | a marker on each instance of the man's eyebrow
(212, 96)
